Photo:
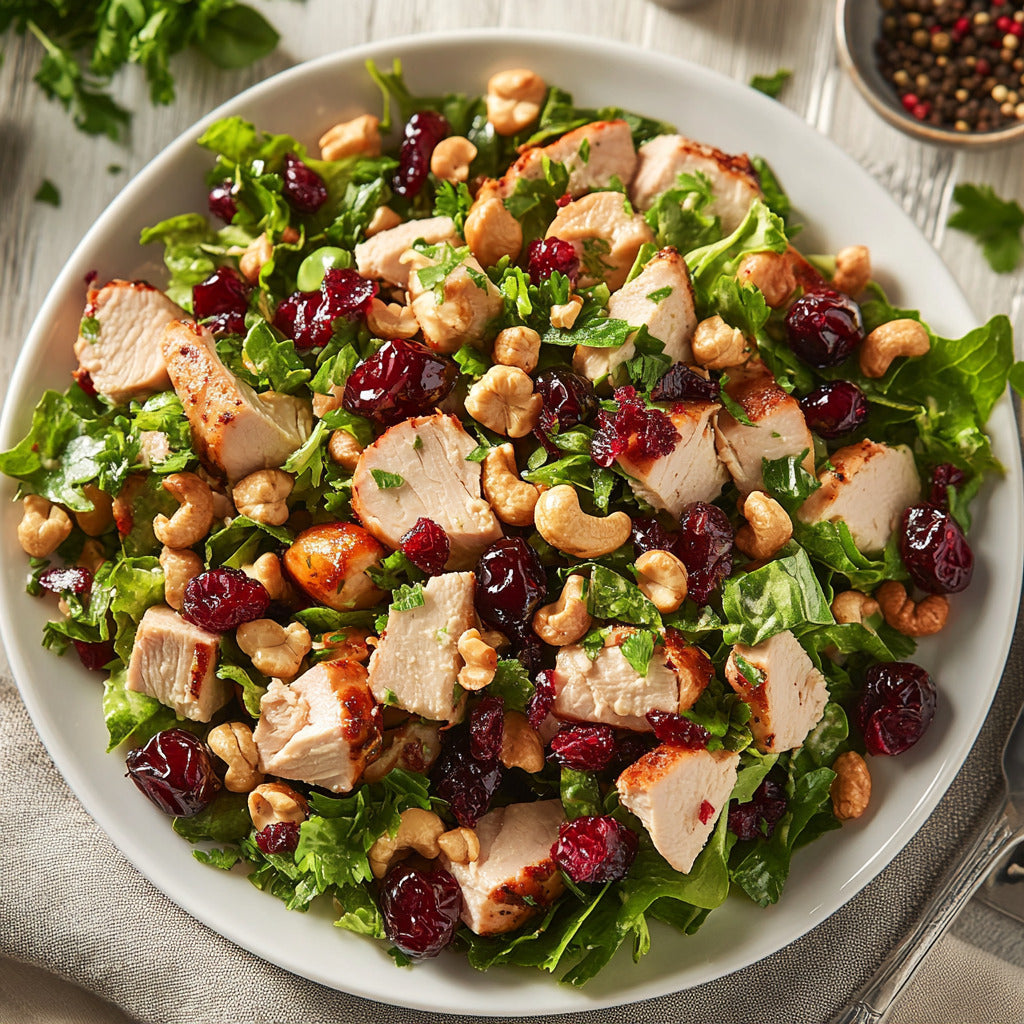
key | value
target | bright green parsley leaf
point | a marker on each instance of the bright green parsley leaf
(995, 223)
(47, 193)
(453, 200)
(751, 676)
(771, 85)
(385, 480)
(638, 649)
(659, 294)
(408, 597)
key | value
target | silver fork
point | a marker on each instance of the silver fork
(1005, 829)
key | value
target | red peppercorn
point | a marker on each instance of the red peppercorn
(910, 100)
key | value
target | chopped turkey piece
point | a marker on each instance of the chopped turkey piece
(234, 430)
(734, 182)
(778, 426)
(416, 664)
(693, 667)
(323, 728)
(606, 234)
(470, 303)
(175, 661)
(692, 471)
(515, 876)
(868, 486)
(380, 257)
(608, 689)
(659, 298)
(788, 695)
(429, 454)
(595, 155)
(120, 348)
(679, 794)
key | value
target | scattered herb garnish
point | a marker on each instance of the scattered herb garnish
(995, 223)
(771, 85)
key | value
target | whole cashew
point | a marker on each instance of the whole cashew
(853, 606)
(267, 570)
(853, 269)
(360, 135)
(912, 618)
(662, 579)
(344, 449)
(563, 524)
(888, 341)
(517, 346)
(492, 232)
(513, 99)
(481, 661)
(460, 845)
(771, 273)
(851, 788)
(232, 743)
(391, 319)
(43, 527)
(101, 518)
(262, 496)
(768, 528)
(275, 650)
(503, 400)
(512, 499)
(567, 619)
(192, 522)
(521, 745)
(451, 158)
(383, 219)
(257, 253)
(419, 830)
(273, 802)
(179, 566)
(717, 346)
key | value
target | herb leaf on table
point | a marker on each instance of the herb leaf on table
(995, 223)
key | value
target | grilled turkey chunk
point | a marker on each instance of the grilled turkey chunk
(692, 471)
(323, 728)
(121, 352)
(515, 876)
(429, 454)
(867, 486)
(175, 661)
(734, 182)
(679, 794)
(669, 316)
(234, 430)
(416, 664)
(788, 696)
(379, 257)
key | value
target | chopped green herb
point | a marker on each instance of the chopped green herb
(385, 480)
(771, 85)
(995, 224)
(47, 193)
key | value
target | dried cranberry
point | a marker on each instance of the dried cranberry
(401, 379)
(629, 748)
(421, 909)
(682, 383)
(824, 327)
(83, 378)
(835, 409)
(221, 301)
(465, 782)
(541, 699)
(526, 646)
(423, 131)
(595, 849)
(95, 655)
(68, 578)
(757, 818)
(221, 201)
(649, 535)
(426, 545)
(704, 545)
(935, 550)
(547, 256)
(585, 746)
(633, 430)
(486, 729)
(175, 770)
(568, 399)
(896, 707)
(222, 599)
(943, 477)
(278, 837)
(673, 728)
(510, 584)
(303, 189)
(308, 317)
(706, 811)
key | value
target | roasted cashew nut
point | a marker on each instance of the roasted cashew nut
(768, 528)
(480, 661)
(360, 135)
(383, 219)
(662, 579)
(391, 319)
(43, 527)
(521, 745)
(413, 746)
(851, 788)
(257, 253)
(717, 346)
(890, 340)
(853, 269)
(344, 449)
(564, 525)
(853, 606)
(192, 522)
(514, 98)
(503, 400)
(179, 565)
(232, 742)
(517, 346)
(262, 496)
(771, 273)
(267, 570)
(418, 830)
(566, 620)
(275, 650)
(492, 232)
(460, 845)
(451, 158)
(274, 802)
(512, 499)
(101, 517)
(909, 617)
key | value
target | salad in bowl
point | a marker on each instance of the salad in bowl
(499, 529)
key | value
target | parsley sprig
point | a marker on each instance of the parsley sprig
(995, 223)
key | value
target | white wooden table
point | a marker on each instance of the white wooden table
(737, 37)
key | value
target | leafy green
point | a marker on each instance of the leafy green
(638, 649)
(47, 193)
(512, 683)
(226, 820)
(771, 85)
(611, 596)
(995, 224)
(580, 792)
